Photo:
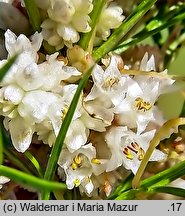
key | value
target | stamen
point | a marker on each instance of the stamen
(128, 154)
(142, 105)
(95, 161)
(77, 182)
(110, 81)
(64, 112)
(141, 154)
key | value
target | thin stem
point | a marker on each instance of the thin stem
(15, 160)
(120, 32)
(34, 161)
(34, 15)
(56, 150)
(30, 180)
(86, 39)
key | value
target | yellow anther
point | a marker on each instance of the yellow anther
(64, 112)
(135, 146)
(77, 182)
(141, 154)
(74, 166)
(95, 161)
(78, 160)
(142, 105)
(110, 81)
(128, 154)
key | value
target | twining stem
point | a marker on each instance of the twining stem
(165, 131)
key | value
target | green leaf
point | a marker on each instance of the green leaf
(30, 180)
(15, 160)
(34, 15)
(95, 14)
(120, 32)
(7, 66)
(56, 150)
(123, 186)
(148, 185)
(171, 190)
(148, 32)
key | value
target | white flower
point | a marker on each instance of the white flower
(129, 148)
(108, 90)
(66, 19)
(10, 97)
(79, 166)
(108, 84)
(53, 71)
(21, 133)
(3, 180)
(110, 18)
(136, 109)
(148, 64)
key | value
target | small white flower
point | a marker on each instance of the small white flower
(10, 97)
(79, 166)
(110, 18)
(53, 71)
(66, 19)
(129, 148)
(21, 133)
(136, 109)
(108, 84)
(3, 180)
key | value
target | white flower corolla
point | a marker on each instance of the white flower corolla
(66, 19)
(148, 64)
(21, 133)
(136, 109)
(10, 97)
(3, 180)
(108, 90)
(50, 34)
(79, 167)
(110, 18)
(22, 44)
(129, 148)
(27, 59)
(34, 106)
(108, 84)
(53, 71)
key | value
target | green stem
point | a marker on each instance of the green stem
(144, 34)
(34, 15)
(120, 32)
(56, 150)
(160, 179)
(15, 160)
(35, 163)
(171, 190)
(97, 9)
(7, 66)
(30, 180)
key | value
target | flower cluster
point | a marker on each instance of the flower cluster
(116, 116)
(64, 20)
(113, 124)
